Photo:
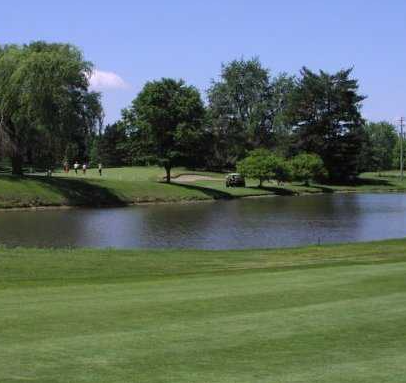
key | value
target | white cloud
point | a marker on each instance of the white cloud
(101, 80)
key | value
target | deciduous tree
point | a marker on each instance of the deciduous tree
(245, 106)
(307, 167)
(378, 152)
(167, 117)
(262, 165)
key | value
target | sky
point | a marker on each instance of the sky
(132, 42)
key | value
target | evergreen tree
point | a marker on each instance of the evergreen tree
(325, 110)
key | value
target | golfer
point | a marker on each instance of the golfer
(76, 167)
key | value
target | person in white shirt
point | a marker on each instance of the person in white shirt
(76, 167)
(84, 167)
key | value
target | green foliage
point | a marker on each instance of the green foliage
(48, 115)
(111, 147)
(95, 153)
(246, 108)
(256, 166)
(44, 101)
(396, 154)
(262, 165)
(282, 171)
(326, 112)
(307, 167)
(167, 118)
(281, 134)
(71, 153)
(378, 153)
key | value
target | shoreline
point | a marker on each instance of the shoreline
(189, 201)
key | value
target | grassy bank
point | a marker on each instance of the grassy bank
(122, 186)
(315, 314)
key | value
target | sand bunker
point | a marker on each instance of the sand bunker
(194, 178)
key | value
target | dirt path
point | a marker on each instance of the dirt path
(194, 178)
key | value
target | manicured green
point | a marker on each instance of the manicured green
(307, 315)
(122, 186)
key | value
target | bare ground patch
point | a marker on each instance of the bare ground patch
(194, 178)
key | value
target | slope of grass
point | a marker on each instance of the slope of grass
(316, 314)
(116, 187)
(80, 191)
(121, 186)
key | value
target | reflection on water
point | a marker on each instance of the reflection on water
(247, 223)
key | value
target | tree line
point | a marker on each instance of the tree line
(48, 115)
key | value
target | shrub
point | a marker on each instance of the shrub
(262, 165)
(307, 167)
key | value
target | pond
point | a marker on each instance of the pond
(236, 224)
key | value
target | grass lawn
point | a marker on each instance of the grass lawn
(134, 174)
(316, 314)
(116, 187)
(121, 186)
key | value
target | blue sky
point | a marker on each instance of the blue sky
(131, 42)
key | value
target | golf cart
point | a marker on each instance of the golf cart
(235, 180)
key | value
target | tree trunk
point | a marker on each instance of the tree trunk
(17, 164)
(168, 174)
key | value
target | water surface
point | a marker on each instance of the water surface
(236, 224)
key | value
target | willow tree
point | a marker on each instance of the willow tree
(44, 93)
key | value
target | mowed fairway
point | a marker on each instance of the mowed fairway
(315, 314)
